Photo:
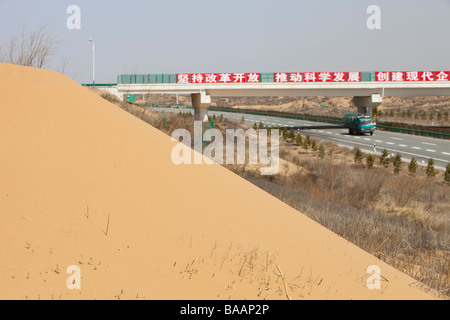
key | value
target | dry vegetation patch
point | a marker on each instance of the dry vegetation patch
(401, 219)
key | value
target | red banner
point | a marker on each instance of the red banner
(412, 76)
(281, 77)
(310, 77)
(426, 76)
(397, 76)
(253, 78)
(442, 76)
(211, 78)
(183, 78)
(340, 76)
(382, 76)
(297, 77)
(324, 77)
(239, 77)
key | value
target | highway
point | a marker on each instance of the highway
(409, 146)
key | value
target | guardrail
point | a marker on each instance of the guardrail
(281, 115)
(444, 136)
(438, 135)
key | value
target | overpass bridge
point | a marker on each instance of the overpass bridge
(367, 88)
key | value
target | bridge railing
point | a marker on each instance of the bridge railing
(99, 85)
(366, 76)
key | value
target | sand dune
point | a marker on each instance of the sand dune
(70, 161)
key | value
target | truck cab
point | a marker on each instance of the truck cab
(361, 125)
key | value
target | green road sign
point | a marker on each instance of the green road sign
(131, 98)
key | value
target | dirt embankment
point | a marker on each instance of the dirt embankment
(85, 183)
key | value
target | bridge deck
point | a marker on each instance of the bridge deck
(295, 89)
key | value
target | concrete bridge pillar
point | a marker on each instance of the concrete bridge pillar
(201, 103)
(368, 105)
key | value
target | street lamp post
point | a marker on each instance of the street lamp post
(93, 61)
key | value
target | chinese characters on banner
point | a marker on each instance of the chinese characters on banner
(286, 77)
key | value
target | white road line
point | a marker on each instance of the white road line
(402, 152)
(402, 145)
(391, 143)
(321, 131)
(367, 139)
(378, 141)
(329, 132)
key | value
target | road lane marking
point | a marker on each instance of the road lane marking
(391, 143)
(402, 145)
(401, 152)
(348, 141)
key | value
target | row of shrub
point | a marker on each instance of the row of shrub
(385, 161)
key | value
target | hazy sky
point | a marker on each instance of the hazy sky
(176, 36)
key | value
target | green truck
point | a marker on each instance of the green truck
(360, 125)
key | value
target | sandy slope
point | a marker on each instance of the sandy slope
(69, 159)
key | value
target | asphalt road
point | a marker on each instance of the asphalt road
(409, 146)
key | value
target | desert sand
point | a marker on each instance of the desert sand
(71, 161)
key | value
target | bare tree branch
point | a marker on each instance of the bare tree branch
(32, 49)
(63, 66)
